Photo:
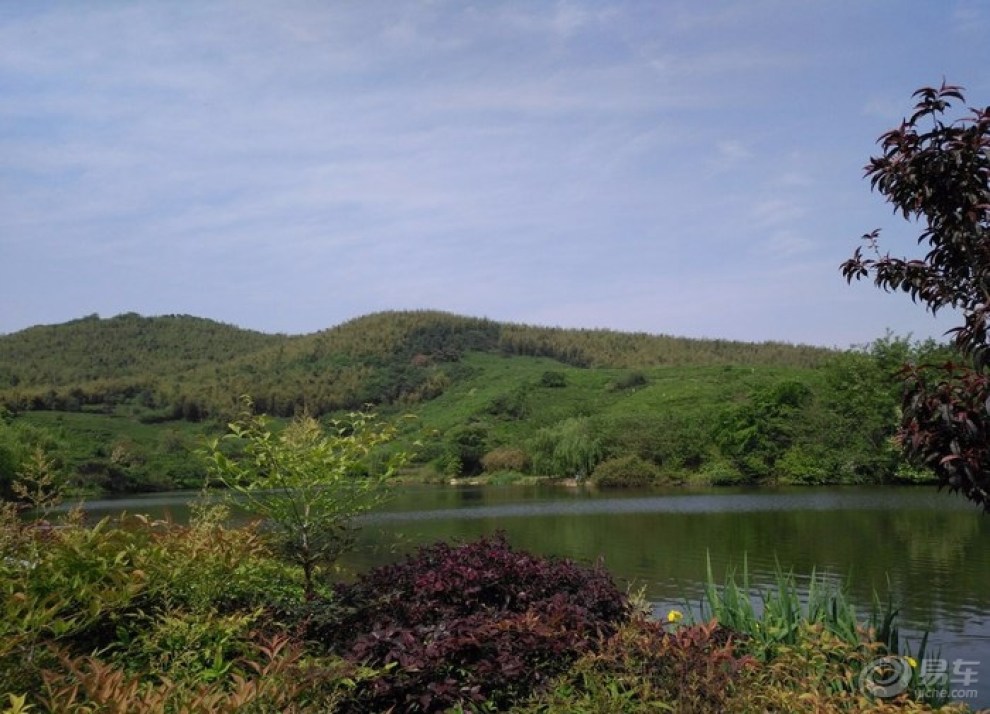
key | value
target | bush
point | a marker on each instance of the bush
(511, 406)
(797, 465)
(720, 471)
(672, 439)
(708, 668)
(553, 380)
(140, 615)
(629, 380)
(276, 677)
(208, 567)
(625, 472)
(820, 672)
(646, 668)
(465, 445)
(468, 624)
(505, 458)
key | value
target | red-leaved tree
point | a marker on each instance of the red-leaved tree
(936, 171)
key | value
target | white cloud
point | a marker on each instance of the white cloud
(567, 162)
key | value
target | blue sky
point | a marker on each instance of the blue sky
(688, 168)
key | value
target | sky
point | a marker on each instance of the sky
(691, 168)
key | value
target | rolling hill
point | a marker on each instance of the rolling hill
(189, 367)
(125, 400)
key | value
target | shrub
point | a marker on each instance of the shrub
(646, 668)
(276, 677)
(784, 609)
(707, 667)
(672, 439)
(428, 449)
(466, 445)
(189, 646)
(625, 472)
(207, 566)
(511, 406)
(504, 478)
(553, 380)
(467, 624)
(71, 585)
(505, 458)
(720, 471)
(797, 465)
(819, 672)
(629, 380)
(810, 642)
(139, 615)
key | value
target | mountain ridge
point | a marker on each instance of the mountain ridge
(195, 366)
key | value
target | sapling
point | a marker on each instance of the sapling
(308, 481)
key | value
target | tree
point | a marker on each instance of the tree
(570, 447)
(308, 481)
(466, 445)
(937, 172)
(757, 433)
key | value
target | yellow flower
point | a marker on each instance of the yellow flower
(675, 616)
(912, 661)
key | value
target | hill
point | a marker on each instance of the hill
(124, 400)
(93, 361)
(179, 366)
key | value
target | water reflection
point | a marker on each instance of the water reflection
(930, 549)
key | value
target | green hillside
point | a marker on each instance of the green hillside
(106, 362)
(192, 368)
(123, 402)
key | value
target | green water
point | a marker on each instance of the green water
(930, 550)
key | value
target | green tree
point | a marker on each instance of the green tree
(570, 447)
(937, 172)
(756, 434)
(309, 481)
(466, 446)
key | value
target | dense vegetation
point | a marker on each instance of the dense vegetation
(122, 404)
(135, 615)
(183, 367)
(139, 616)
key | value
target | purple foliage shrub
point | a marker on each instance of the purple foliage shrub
(478, 622)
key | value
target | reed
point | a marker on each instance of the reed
(774, 617)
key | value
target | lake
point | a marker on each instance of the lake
(929, 550)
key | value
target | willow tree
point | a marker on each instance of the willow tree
(935, 171)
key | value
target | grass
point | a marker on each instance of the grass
(784, 613)
(119, 452)
(688, 394)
